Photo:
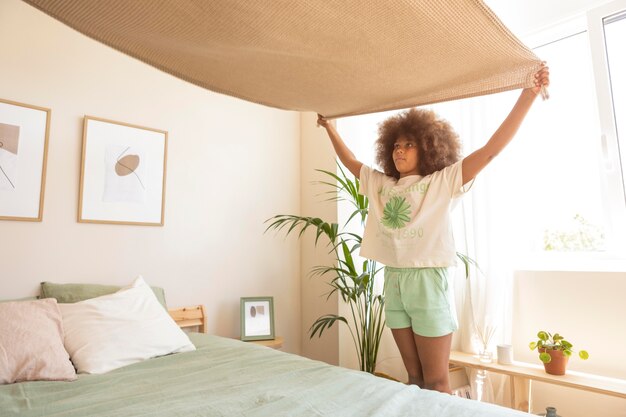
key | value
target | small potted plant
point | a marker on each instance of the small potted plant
(554, 352)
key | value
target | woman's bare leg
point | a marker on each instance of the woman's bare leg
(406, 344)
(434, 355)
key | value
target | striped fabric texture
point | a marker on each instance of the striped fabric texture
(333, 57)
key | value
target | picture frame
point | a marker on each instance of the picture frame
(257, 318)
(24, 133)
(123, 173)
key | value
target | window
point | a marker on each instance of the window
(615, 34)
(562, 154)
(546, 189)
(607, 31)
(558, 188)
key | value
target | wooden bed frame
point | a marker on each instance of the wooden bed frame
(191, 316)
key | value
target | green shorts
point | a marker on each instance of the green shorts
(419, 298)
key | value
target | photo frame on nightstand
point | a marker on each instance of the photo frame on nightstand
(257, 318)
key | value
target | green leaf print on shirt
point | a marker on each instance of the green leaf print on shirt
(396, 213)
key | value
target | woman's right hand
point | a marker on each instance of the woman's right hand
(322, 121)
(345, 155)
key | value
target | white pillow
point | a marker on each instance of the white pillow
(115, 330)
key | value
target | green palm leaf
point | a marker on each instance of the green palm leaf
(325, 322)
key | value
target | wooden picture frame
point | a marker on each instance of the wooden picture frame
(257, 318)
(123, 174)
(24, 132)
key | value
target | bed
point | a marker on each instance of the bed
(221, 377)
(227, 377)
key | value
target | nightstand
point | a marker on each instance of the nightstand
(277, 343)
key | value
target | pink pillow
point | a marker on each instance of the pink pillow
(31, 343)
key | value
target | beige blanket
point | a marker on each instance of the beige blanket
(334, 57)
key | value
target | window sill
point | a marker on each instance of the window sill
(571, 262)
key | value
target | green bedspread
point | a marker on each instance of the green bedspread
(226, 377)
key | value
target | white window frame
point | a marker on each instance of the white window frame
(614, 257)
(614, 189)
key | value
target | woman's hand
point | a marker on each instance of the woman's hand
(322, 121)
(542, 79)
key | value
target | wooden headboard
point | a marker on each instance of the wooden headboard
(190, 317)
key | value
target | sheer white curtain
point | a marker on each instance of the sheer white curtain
(484, 226)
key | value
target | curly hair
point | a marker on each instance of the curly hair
(438, 144)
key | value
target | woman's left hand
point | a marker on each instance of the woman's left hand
(542, 79)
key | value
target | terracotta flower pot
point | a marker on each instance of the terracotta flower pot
(558, 364)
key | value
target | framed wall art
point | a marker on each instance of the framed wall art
(123, 174)
(257, 318)
(24, 131)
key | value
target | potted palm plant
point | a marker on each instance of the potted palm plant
(354, 283)
(554, 352)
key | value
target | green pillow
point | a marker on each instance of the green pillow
(19, 299)
(73, 293)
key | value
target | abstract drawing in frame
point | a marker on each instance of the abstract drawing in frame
(257, 318)
(24, 131)
(123, 174)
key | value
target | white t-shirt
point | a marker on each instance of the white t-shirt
(408, 225)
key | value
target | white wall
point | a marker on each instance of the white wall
(588, 309)
(317, 153)
(230, 165)
(526, 17)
